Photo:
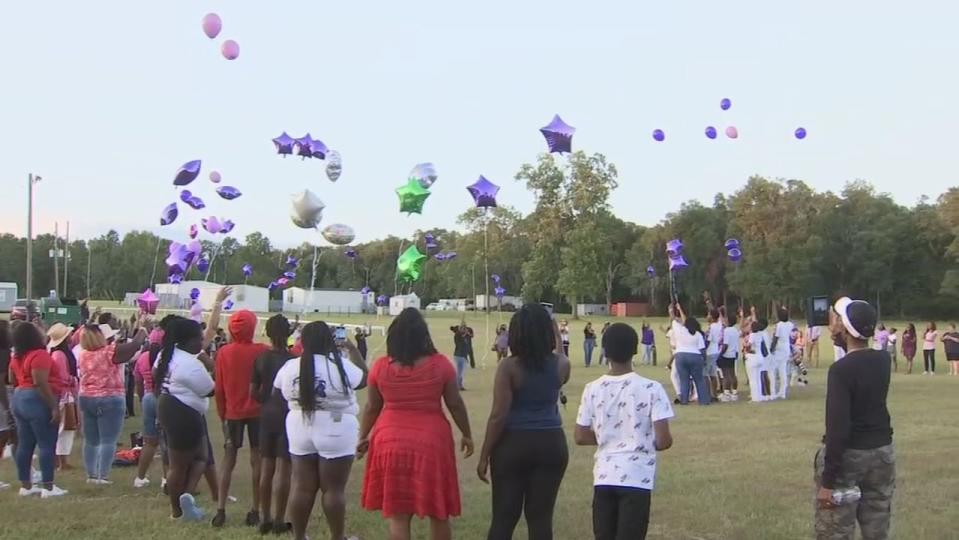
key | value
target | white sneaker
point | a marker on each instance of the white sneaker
(925, 373)
(4, 485)
(53, 492)
(99, 482)
(141, 482)
(932, 372)
(35, 490)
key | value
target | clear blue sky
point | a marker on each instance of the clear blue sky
(106, 99)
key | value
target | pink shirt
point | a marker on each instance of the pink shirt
(62, 370)
(143, 371)
(929, 340)
(99, 376)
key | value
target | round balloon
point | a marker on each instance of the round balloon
(711, 132)
(732, 132)
(725, 104)
(659, 135)
(339, 234)
(800, 133)
(230, 49)
(212, 25)
(215, 177)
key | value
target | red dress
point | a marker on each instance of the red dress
(411, 466)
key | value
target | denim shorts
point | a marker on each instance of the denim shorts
(712, 369)
(149, 405)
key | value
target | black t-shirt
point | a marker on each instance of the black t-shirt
(4, 365)
(952, 347)
(461, 342)
(265, 369)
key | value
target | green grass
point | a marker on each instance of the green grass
(735, 471)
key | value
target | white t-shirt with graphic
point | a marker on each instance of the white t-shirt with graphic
(330, 393)
(621, 410)
(715, 336)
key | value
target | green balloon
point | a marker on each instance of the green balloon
(412, 196)
(409, 267)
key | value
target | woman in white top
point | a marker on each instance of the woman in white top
(184, 385)
(757, 351)
(690, 359)
(322, 425)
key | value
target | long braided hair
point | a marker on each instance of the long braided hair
(177, 331)
(317, 340)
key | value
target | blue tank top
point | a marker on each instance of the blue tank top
(535, 404)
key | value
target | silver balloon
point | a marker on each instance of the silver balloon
(339, 234)
(425, 174)
(303, 224)
(307, 209)
(334, 165)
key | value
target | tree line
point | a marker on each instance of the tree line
(571, 248)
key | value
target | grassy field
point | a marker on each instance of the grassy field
(736, 470)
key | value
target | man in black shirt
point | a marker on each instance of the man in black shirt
(857, 456)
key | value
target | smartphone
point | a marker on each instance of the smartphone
(340, 333)
(548, 306)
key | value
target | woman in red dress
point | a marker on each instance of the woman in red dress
(411, 467)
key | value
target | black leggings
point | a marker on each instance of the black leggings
(527, 468)
(929, 361)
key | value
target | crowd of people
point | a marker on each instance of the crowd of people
(294, 402)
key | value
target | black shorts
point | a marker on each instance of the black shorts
(620, 512)
(183, 426)
(725, 363)
(273, 441)
(233, 432)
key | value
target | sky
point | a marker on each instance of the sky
(105, 100)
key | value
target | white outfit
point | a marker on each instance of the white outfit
(686, 342)
(779, 360)
(621, 411)
(189, 381)
(755, 365)
(332, 430)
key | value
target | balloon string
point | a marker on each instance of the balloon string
(156, 258)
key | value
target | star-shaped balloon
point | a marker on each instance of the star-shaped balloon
(412, 196)
(284, 144)
(382, 300)
(247, 270)
(677, 263)
(169, 214)
(195, 203)
(499, 292)
(292, 262)
(228, 305)
(272, 286)
(228, 192)
(366, 290)
(179, 258)
(318, 149)
(409, 266)
(483, 192)
(559, 135)
(187, 173)
(430, 241)
(308, 208)
(148, 302)
(304, 146)
(674, 247)
(226, 226)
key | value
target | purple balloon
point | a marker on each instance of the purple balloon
(674, 247)
(226, 226)
(193, 232)
(800, 133)
(185, 195)
(731, 243)
(304, 146)
(179, 258)
(350, 253)
(382, 300)
(230, 49)
(292, 262)
(283, 282)
(559, 135)
(169, 214)
(499, 292)
(228, 192)
(195, 203)
(440, 256)
(483, 192)
(711, 132)
(650, 271)
(732, 132)
(677, 263)
(735, 254)
(212, 25)
(247, 270)
(228, 305)
(175, 278)
(215, 177)
(211, 224)
(450, 255)
(284, 144)
(194, 293)
(659, 135)
(318, 149)
(725, 104)
(187, 173)
(289, 274)
(366, 290)
(495, 278)
(203, 265)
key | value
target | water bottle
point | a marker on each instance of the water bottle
(846, 496)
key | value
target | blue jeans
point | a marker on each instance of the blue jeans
(102, 423)
(460, 369)
(647, 354)
(34, 431)
(588, 346)
(148, 406)
(691, 365)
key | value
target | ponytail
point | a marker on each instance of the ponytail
(175, 329)
(338, 360)
(163, 366)
(317, 340)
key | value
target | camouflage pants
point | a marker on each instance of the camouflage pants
(874, 471)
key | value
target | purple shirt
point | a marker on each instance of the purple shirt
(648, 336)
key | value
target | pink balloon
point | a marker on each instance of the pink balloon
(212, 25)
(215, 177)
(732, 132)
(230, 49)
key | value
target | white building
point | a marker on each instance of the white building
(399, 303)
(495, 303)
(300, 300)
(584, 310)
(177, 296)
(8, 296)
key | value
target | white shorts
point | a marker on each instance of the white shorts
(321, 435)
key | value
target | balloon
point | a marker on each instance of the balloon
(228, 192)
(187, 173)
(450, 255)
(308, 208)
(499, 292)
(382, 300)
(711, 132)
(366, 290)
(179, 258)
(211, 224)
(212, 25)
(289, 274)
(318, 149)
(196, 312)
(148, 302)
(440, 256)
(674, 247)
(194, 293)
(732, 132)
(409, 266)
(185, 195)
(228, 305)
(283, 282)
(304, 146)
(495, 278)
(226, 226)
(230, 49)
(193, 231)
(650, 271)
(412, 196)
(247, 270)
(425, 174)
(483, 192)
(430, 241)
(203, 264)
(303, 223)
(725, 104)
(559, 135)
(292, 262)
(334, 166)
(800, 133)
(272, 286)
(659, 135)
(339, 234)
(735, 255)
(195, 203)
(284, 144)
(350, 253)
(176, 278)
(731, 243)
(677, 263)
(215, 177)
(169, 214)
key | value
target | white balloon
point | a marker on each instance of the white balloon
(334, 165)
(425, 174)
(339, 234)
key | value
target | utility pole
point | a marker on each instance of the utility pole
(56, 258)
(89, 261)
(31, 180)
(66, 259)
